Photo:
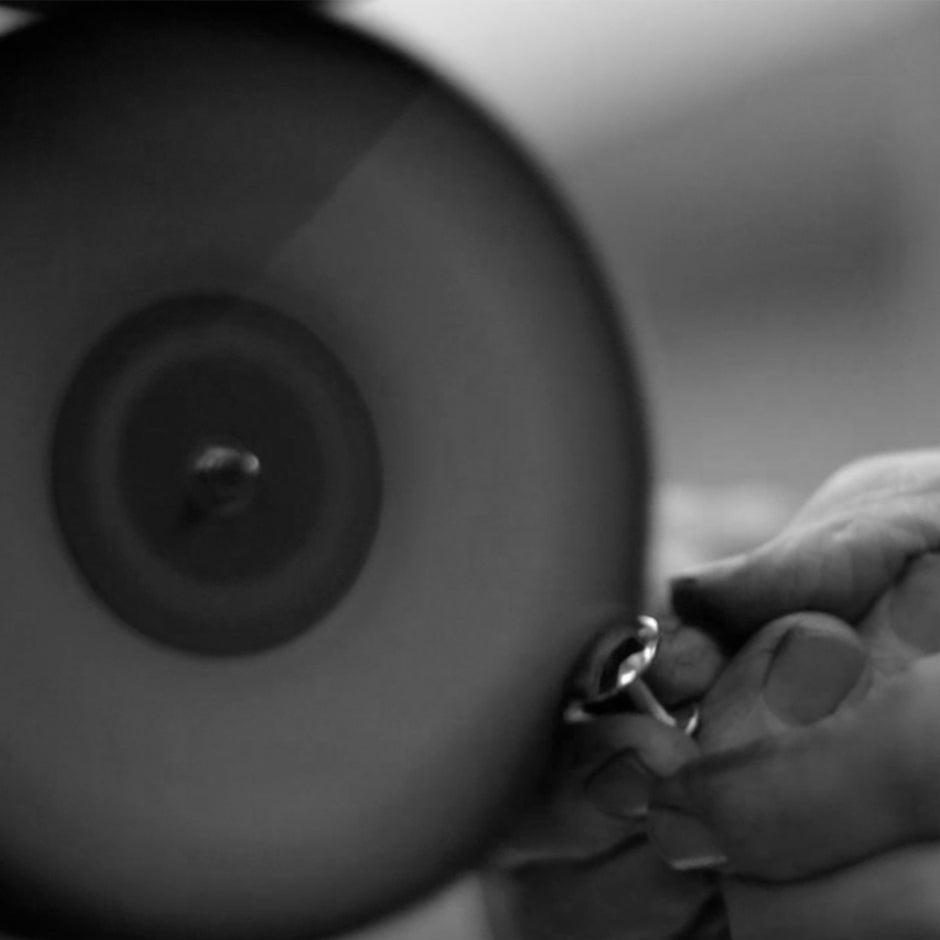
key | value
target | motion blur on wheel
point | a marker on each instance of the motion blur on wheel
(321, 438)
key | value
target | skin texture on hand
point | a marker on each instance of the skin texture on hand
(813, 783)
(570, 818)
(604, 882)
(830, 826)
(578, 865)
(818, 794)
(841, 552)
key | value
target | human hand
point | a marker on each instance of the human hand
(578, 864)
(822, 796)
(841, 551)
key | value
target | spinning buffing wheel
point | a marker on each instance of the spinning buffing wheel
(322, 458)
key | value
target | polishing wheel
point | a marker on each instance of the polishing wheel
(216, 474)
(322, 458)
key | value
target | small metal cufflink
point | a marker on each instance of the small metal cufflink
(610, 680)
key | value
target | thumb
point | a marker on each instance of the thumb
(819, 797)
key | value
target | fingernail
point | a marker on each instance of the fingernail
(621, 788)
(810, 675)
(683, 841)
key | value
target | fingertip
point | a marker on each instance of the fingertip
(693, 603)
(814, 669)
(700, 819)
(732, 598)
(689, 662)
(699, 785)
(684, 842)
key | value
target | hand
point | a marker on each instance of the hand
(841, 552)
(578, 864)
(823, 796)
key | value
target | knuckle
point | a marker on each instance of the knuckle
(861, 473)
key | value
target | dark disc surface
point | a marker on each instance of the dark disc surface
(247, 570)
(155, 152)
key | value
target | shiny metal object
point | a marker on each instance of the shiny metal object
(223, 476)
(612, 677)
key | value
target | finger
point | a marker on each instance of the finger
(843, 549)
(795, 671)
(839, 566)
(812, 799)
(639, 751)
(905, 475)
(904, 623)
(894, 895)
(627, 893)
(687, 665)
(597, 791)
(661, 748)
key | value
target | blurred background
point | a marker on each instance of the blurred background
(762, 182)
